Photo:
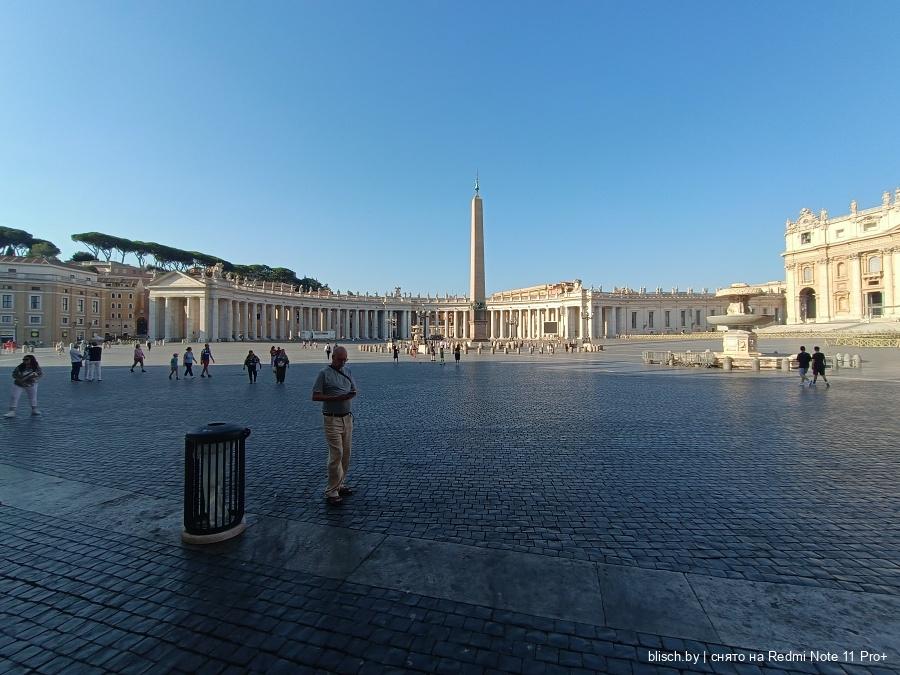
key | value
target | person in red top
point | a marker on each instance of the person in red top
(205, 357)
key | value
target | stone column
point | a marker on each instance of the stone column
(213, 318)
(203, 319)
(887, 265)
(152, 318)
(229, 325)
(167, 320)
(857, 306)
(823, 292)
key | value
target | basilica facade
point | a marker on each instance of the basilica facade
(844, 269)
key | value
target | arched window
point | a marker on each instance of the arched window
(874, 265)
(807, 274)
(841, 270)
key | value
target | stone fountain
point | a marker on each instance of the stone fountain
(740, 339)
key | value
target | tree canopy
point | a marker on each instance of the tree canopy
(171, 258)
(20, 242)
(15, 242)
(43, 248)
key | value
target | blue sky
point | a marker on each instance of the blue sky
(629, 143)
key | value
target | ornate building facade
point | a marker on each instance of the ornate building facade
(844, 269)
(126, 298)
(44, 301)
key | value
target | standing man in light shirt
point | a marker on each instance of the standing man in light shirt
(76, 357)
(335, 388)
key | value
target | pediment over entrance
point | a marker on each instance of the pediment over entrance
(175, 280)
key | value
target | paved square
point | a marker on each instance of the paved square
(515, 513)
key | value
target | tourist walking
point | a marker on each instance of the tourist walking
(251, 363)
(94, 355)
(818, 366)
(442, 353)
(281, 365)
(173, 366)
(456, 353)
(149, 346)
(188, 361)
(334, 388)
(328, 352)
(396, 354)
(138, 358)
(205, 357)
(76, 357)
(803, 359)
(273, 350)
(25, 379)
(431, 352)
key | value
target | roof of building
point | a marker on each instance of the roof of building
(40, 260)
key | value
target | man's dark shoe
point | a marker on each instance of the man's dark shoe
(345, 491)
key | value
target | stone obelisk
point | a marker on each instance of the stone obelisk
(478, 326)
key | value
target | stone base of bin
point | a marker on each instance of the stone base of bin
(238, 529)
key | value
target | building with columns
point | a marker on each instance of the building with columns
(844, 269)
(210, 305)
(206, 308)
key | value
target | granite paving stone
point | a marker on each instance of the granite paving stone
(492, 501)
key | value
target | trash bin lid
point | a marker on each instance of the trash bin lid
(213, 432)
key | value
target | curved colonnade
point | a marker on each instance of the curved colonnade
(203, 308)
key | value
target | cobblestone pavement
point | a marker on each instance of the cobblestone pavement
(586, 458)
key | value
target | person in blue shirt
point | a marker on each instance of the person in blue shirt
(188, 360)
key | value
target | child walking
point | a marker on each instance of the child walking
(173, 367)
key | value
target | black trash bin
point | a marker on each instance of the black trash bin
(214, 483)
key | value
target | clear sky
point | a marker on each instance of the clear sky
(629, 143)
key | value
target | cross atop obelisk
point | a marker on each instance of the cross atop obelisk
(478, 326)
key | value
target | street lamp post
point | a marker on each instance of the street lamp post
(586, 317)
(16, 332)
(513, 325)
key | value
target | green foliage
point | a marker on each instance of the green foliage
(310, 284)
(171, 258)
(97, 243)
(41, 248)
(140, 250)
(82, 256)
(15, 242)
